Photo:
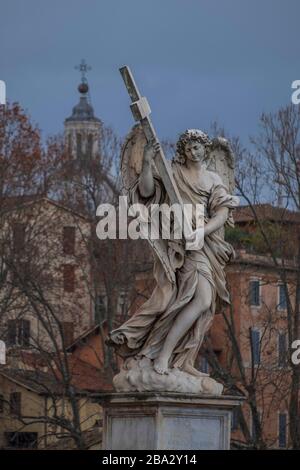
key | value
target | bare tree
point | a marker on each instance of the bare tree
(267, 179)
(31, 274)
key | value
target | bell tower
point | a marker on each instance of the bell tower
(82, 129)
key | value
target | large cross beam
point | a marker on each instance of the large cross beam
(141, 112)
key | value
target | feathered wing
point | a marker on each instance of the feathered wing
(131, 167)
(221, 161)
(131, 157)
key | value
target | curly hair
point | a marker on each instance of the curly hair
(188, 136)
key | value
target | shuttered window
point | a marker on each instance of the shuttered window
(18, 332)
(282, 430)
(68, 332)
(15, 403)
(69, 240)
(255, 346)
(282, 297)
(254, 293)
(69, 277)
(281, 349)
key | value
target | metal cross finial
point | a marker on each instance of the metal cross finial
(83, 68)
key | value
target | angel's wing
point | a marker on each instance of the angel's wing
(132, 157)
(221, 161)
(131, 167)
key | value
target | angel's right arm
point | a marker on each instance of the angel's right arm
(146, 180)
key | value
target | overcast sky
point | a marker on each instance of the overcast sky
(195, 60)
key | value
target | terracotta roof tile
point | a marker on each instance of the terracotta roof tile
(265, 212)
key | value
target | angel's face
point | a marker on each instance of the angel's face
(194, 151)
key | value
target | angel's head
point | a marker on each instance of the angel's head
(194, 145)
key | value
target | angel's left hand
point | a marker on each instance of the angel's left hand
(195, 240)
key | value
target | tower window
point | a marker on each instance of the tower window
(69, 144)
(90, 146)
(79, 145)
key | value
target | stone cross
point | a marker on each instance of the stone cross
(141, 112)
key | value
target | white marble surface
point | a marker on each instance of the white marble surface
(139, 375)
(167, 421)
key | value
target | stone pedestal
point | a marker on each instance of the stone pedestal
(166, 421)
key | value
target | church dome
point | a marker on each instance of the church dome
(82, 129)
(83, 111)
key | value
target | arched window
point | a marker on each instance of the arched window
(78, 145)
(90, 146)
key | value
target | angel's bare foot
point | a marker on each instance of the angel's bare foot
(191, 370)
(161, 365)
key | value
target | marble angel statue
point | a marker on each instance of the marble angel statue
(161, 341)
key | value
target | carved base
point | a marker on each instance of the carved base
(166, 421)
(139, 375)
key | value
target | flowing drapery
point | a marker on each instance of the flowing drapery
(145, 332)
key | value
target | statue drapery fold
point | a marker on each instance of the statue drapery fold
(176, 274)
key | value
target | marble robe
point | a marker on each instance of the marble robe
(145, 332)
